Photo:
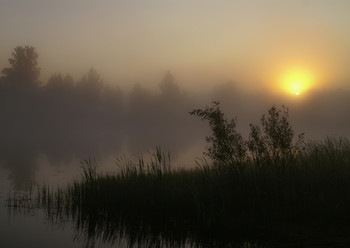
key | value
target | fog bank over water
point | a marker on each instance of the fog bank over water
(65, 120)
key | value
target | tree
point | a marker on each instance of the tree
(271, 143)
(168, 86)
(274, 140)
(24, 69)
(90, 86)
(227, 145)
(58, 84)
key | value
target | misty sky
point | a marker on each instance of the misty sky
(202, 42)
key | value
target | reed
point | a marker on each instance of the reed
(209, 204)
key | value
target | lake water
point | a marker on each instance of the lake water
(30, 229)
(33, 227)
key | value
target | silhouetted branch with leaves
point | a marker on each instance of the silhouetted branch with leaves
(271, 142)
(227, 144)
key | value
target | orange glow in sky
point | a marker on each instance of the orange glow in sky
(296, 81)
(249, 42)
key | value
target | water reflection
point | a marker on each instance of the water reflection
(68, 228)
(124, 215)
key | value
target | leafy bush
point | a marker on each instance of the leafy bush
(274, 140)
(271, 142)
(227, 144)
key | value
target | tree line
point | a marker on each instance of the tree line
(64, 119)
(62, 107)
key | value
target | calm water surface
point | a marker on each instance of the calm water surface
(32, 227)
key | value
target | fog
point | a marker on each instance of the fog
(67, 120)
(202, 42)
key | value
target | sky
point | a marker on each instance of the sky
(274, 52)
(260, 45)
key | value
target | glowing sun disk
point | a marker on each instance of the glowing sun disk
(296, 81)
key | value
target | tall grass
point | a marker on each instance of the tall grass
(211, 206)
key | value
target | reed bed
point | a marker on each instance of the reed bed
(209, 206)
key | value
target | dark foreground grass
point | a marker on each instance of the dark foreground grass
(296, 203)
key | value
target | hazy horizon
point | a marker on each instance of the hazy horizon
(253, 43)
(246, 54)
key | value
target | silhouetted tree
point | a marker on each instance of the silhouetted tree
(168, 86)
(227, 144)
(59, 84)
(24, 70)
(90, 86)
(59, 99)
(274, 141)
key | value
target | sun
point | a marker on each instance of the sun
(296, 81)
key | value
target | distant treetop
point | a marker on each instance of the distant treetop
(23, 66)
(168, 86)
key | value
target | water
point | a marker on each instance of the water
(32, 230)
(33, 227)
(23, 227)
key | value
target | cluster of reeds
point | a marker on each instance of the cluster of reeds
(209, 205)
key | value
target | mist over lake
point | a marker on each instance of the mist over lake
(99, 127)
(63, 121)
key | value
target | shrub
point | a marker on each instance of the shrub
(227, 145)
(274, 140)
